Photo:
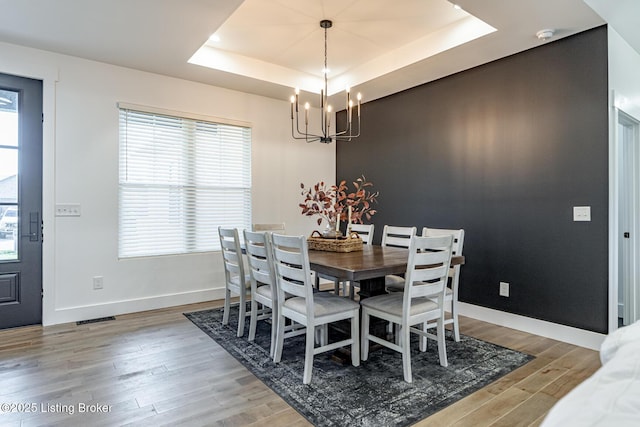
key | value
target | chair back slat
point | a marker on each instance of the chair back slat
(422, 289)
(430, 257)
(399, 237)
(429, 274)
(255, 244)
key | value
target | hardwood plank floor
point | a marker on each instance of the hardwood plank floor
(156, 368)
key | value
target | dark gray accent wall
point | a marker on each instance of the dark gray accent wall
(504, 150)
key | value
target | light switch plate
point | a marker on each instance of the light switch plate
(582, 213)
(68, 209)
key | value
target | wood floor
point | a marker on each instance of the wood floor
(156, 368)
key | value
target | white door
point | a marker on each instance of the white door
(629, 283)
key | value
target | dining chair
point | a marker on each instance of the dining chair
(399, 237)
(365, 232)
(451, 296)
(269, 227)
(313, 310)
(263, 281)
(236, 280)
(422, 301)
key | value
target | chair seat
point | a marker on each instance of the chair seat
(392, 304)
(265, 291)
(247, 281)
(394, 283)
(324, 304)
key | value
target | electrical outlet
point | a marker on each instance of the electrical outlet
(582, 213)
(72, 209)
(504, 289)
(98, 282)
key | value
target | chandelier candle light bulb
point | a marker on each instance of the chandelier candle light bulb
(348, 91)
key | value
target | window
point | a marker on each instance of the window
(180, 178)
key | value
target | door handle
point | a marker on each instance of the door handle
(34, 226)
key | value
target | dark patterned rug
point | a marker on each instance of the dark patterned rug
(373, 394)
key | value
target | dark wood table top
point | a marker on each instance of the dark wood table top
(372, 262)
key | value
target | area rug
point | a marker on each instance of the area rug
(373, 394)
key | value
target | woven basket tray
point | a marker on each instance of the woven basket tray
(319, 243)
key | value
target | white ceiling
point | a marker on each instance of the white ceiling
(269, 46)
(281, 41)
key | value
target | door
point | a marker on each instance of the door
(629, 209)
(20, 201)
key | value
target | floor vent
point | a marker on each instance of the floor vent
(100, 319)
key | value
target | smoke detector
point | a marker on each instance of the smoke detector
(545, 34)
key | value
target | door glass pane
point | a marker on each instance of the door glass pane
(8, 175)
(8, 118)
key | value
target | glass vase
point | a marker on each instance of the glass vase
(330, 231)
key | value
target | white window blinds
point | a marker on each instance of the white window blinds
(180, 178)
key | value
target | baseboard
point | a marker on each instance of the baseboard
(543, 328)
(74, 314)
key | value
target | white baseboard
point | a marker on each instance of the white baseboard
(543, 328)
(74, 314)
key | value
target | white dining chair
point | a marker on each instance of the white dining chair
(451, 297)
(365, 232)
(236, 281)
(313, 310)
(263, 281)
(399, 237)
(422, 301)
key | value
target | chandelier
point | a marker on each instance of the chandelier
(350, 131)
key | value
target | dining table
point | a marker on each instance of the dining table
(368, 266)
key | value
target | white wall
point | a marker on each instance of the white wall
(81, 166)
(624, 69)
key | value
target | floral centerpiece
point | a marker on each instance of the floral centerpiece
(337, 203)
